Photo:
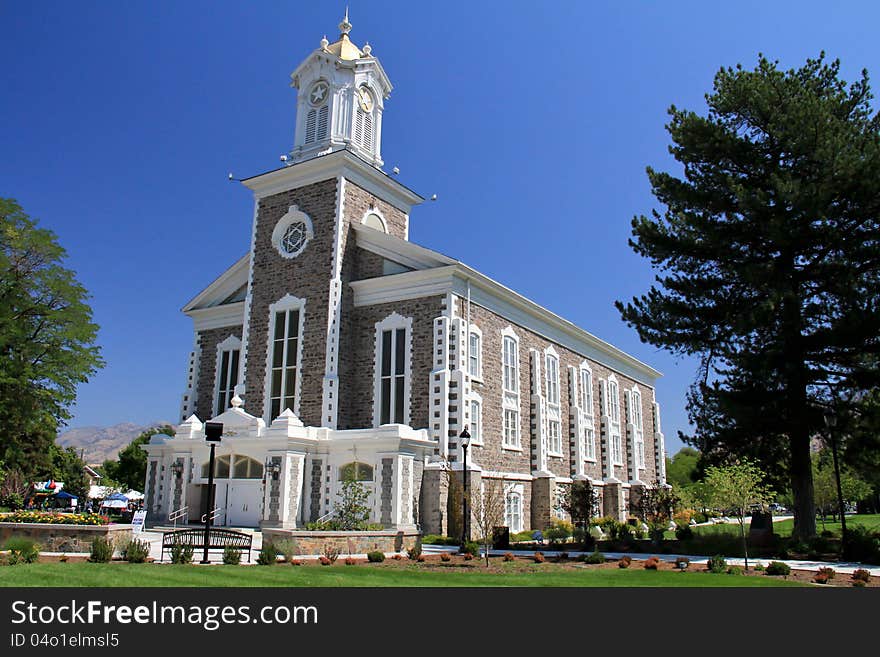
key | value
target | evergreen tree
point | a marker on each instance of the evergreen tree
(768, 259)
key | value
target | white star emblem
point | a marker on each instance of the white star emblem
(318, 93)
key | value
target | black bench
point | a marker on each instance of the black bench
(218, 539)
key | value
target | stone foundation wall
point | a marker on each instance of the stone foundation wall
(64, 538)
(346, 542)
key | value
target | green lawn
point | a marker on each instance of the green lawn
(784, 527)
(149, 575)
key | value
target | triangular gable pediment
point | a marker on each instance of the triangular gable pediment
(403, 252)
(225, 289)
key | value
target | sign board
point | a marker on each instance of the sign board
(137, 521)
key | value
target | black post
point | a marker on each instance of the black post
(843, 536)
(210, 509)
(464, 520)
(213, 434)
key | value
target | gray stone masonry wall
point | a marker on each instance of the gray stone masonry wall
(313, 543)
(543, 498)
(490, 390)
(208, 341)
(358, 201)
(356, 400)
(308, 277)
(65, 538)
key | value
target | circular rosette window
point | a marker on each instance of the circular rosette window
(292, 233)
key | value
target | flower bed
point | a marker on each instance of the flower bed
(46, 518)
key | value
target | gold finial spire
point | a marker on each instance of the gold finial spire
(345, 25)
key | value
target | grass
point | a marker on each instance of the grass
(784, 527)
(153, 575)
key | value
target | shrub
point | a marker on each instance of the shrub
(296, 562)
(420, 558)
(594, 558)
(48, 518)
(22, 550)
(759, 567)
(778, 568)
(332, 553)
(182, 553)
(375, 556)
(444, 556)
(859, 583)
(821, 578)
(683, 517)
(700, 517)
(439, 539)
(734, 570)
(562, 556)
(349, 561)
(862, 545)
(397, 557)
(414, 552)
(652, 563)
(231, 556)
(325, 561)
(63, 558)
(468, 556)
(558, 531)
(538, 557)
(828, 572)
(625, 561)
(268, 555)
(861, 575)
(288, 548)
(717, 564)
(471, 548)
(102, 550)
(684, 533)
(136, 551)
(508, 556)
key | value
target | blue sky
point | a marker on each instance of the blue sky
(532, 122)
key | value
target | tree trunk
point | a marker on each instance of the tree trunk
(802, 486)
(742, 531)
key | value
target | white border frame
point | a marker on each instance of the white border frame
(292, 215)
(287, 302)
(510, 399)
(392, 321)
(231, 343)
(378, 213)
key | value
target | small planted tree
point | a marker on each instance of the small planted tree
(488, 508)
(351, 511)
(581, 502)
(736, 487)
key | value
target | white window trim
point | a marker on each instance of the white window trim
(476, 399)
(392, 322)
(510, 399)
(638, 427)
(378, 213)
(585, 367)
(287, 302)
(293, 214)
(554, 408)
(479, 375)
(616, 439)
(231, 343)
(519, 491)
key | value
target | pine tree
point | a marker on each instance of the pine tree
(768, 261)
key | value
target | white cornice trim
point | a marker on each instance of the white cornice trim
(504, 302)
(339, 163)
(401, 251)
(230, 314)
(222, 286)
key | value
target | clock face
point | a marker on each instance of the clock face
(365, 99)
(318, 94)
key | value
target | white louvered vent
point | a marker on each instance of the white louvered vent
(310, 126)
(368, 132)
(359, 128)
(323, 113)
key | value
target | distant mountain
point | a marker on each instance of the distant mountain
(101, 443)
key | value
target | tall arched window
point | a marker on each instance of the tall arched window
(244, 467)
(356, 471)
(221, 467)
(513, 511)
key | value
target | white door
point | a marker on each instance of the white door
(243, 504)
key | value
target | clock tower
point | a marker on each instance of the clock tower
(341, 93)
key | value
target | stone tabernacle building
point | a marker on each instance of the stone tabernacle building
(337, 348)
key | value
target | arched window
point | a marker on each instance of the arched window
(221, 467)
(356, 471)
(244, 467)
(513, 511)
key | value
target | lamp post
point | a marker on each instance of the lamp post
(213, 433)
(831, 423)
(465, 439)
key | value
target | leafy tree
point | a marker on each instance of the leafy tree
(67, 466)
(736, 487)
(47, 339)
(682, 469)
(130, 466)
(768, 261)
(853, 488)
(351, 511)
